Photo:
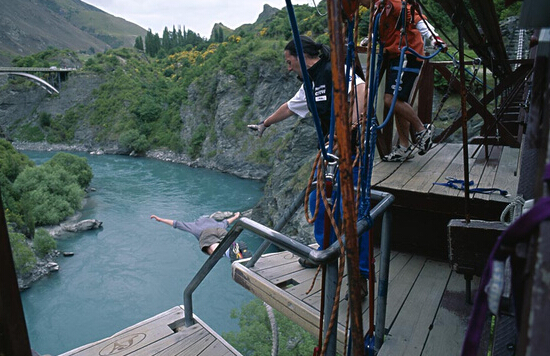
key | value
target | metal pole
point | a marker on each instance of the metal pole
(278, 227)
(204, 270)
(464, 123)
(485, 125)
(331, 282)
(380, 329)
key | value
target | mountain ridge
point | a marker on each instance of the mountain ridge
(31, 26)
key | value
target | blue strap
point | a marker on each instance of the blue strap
(412, 70)
(454, 183)
(307, 82)
(399, 71)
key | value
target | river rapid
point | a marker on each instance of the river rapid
(133, 267)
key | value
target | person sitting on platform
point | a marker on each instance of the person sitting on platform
(209, 231)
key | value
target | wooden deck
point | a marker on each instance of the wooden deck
(418, 201)
(162, 335)
(446, 160)
(427, 311)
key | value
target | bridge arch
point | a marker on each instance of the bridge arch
(39, 81)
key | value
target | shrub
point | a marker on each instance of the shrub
(254, 336)
(50, 192)
(29, 132)
(133, 140)
(43, 243)
(23, 257)
(198, 138)
(261, 156)
(74, 165)
(45, 119)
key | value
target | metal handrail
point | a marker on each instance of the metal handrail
(385, 199)
(318, 256)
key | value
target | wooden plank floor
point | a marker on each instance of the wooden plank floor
(446, 160)
(426, 310)
(162, 335)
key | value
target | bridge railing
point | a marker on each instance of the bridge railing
(36, 69)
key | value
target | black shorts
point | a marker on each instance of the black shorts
(411, 68)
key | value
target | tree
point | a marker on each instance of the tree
(152, 43)
(133, 140)
(49, 193)
(76, 166)
(175, 39)
(255, 335)
(43, 243)
(139, 43)
(12, 162)
(166, 41)
(23, 257)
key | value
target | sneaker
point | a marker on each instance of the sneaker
(424, 139)
(399, 154)
(238, 251)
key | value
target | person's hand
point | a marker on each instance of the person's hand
(259, 127)
(155, 217)
(438, 42)
(237, 215)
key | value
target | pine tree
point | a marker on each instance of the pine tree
(139, 43)
(166, 43)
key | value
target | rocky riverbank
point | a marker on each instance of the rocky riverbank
(44, 266)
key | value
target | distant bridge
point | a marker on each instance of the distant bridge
(36, 69)
(25, 72)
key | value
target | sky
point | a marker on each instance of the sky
(196, 15)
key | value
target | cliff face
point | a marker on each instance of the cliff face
(282, 157)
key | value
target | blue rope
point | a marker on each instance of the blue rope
(307, 82)
(460, 185)
(399, 72)
(367, 156)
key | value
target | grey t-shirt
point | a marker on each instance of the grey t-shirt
(199, 225)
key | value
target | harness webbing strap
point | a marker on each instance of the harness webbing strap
(412, 70)
(460, 185)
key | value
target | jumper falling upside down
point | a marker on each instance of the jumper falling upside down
(209, 231)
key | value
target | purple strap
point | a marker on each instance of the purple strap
(546, 176)
(520, 230)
